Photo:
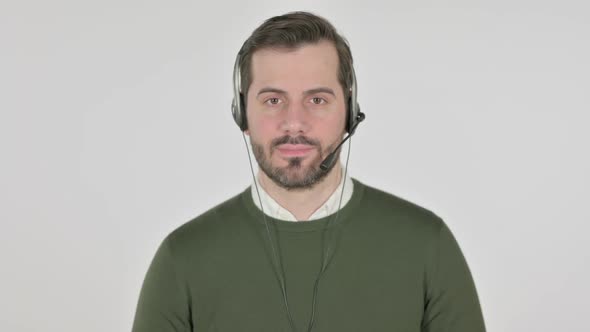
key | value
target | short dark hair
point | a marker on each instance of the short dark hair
(291, 31)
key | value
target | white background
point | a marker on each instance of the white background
(115, 129)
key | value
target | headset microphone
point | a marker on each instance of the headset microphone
(331, 158)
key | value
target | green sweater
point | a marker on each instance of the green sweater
(394, 267)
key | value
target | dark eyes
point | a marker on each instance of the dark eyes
(318, 101)
(315, 100)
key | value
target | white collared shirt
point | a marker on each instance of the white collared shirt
(273, 209)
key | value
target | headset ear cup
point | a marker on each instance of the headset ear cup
(244, 119)
(349, 115)
(235, 111)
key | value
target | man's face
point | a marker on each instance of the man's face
(296, 112)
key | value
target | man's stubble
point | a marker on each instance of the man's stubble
(290, 177)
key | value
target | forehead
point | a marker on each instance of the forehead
(309, 64)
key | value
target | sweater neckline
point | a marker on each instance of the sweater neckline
(304, 226)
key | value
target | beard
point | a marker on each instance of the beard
(294, 176)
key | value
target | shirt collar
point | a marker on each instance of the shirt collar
(274, 210)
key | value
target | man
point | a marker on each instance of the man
(306, 248)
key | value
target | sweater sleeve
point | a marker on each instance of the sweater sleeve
(163, 304)
(451, 302)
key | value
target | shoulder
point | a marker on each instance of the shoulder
(391, 211)
(203, 230)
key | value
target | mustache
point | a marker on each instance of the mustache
(294, 140)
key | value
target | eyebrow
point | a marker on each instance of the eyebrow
(320, 90)
(308, 92)
(274, 90)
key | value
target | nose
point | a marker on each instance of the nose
(295, 119)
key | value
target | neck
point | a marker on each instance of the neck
(302, 203)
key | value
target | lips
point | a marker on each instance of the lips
(294, 150)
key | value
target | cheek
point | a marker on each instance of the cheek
(332, 128)
(260, 129)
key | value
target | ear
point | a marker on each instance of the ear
(247, 132)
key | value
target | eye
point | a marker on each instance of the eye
(273, 101)
(318, 101)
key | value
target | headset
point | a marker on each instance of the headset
(238, 105)
(354, 116)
